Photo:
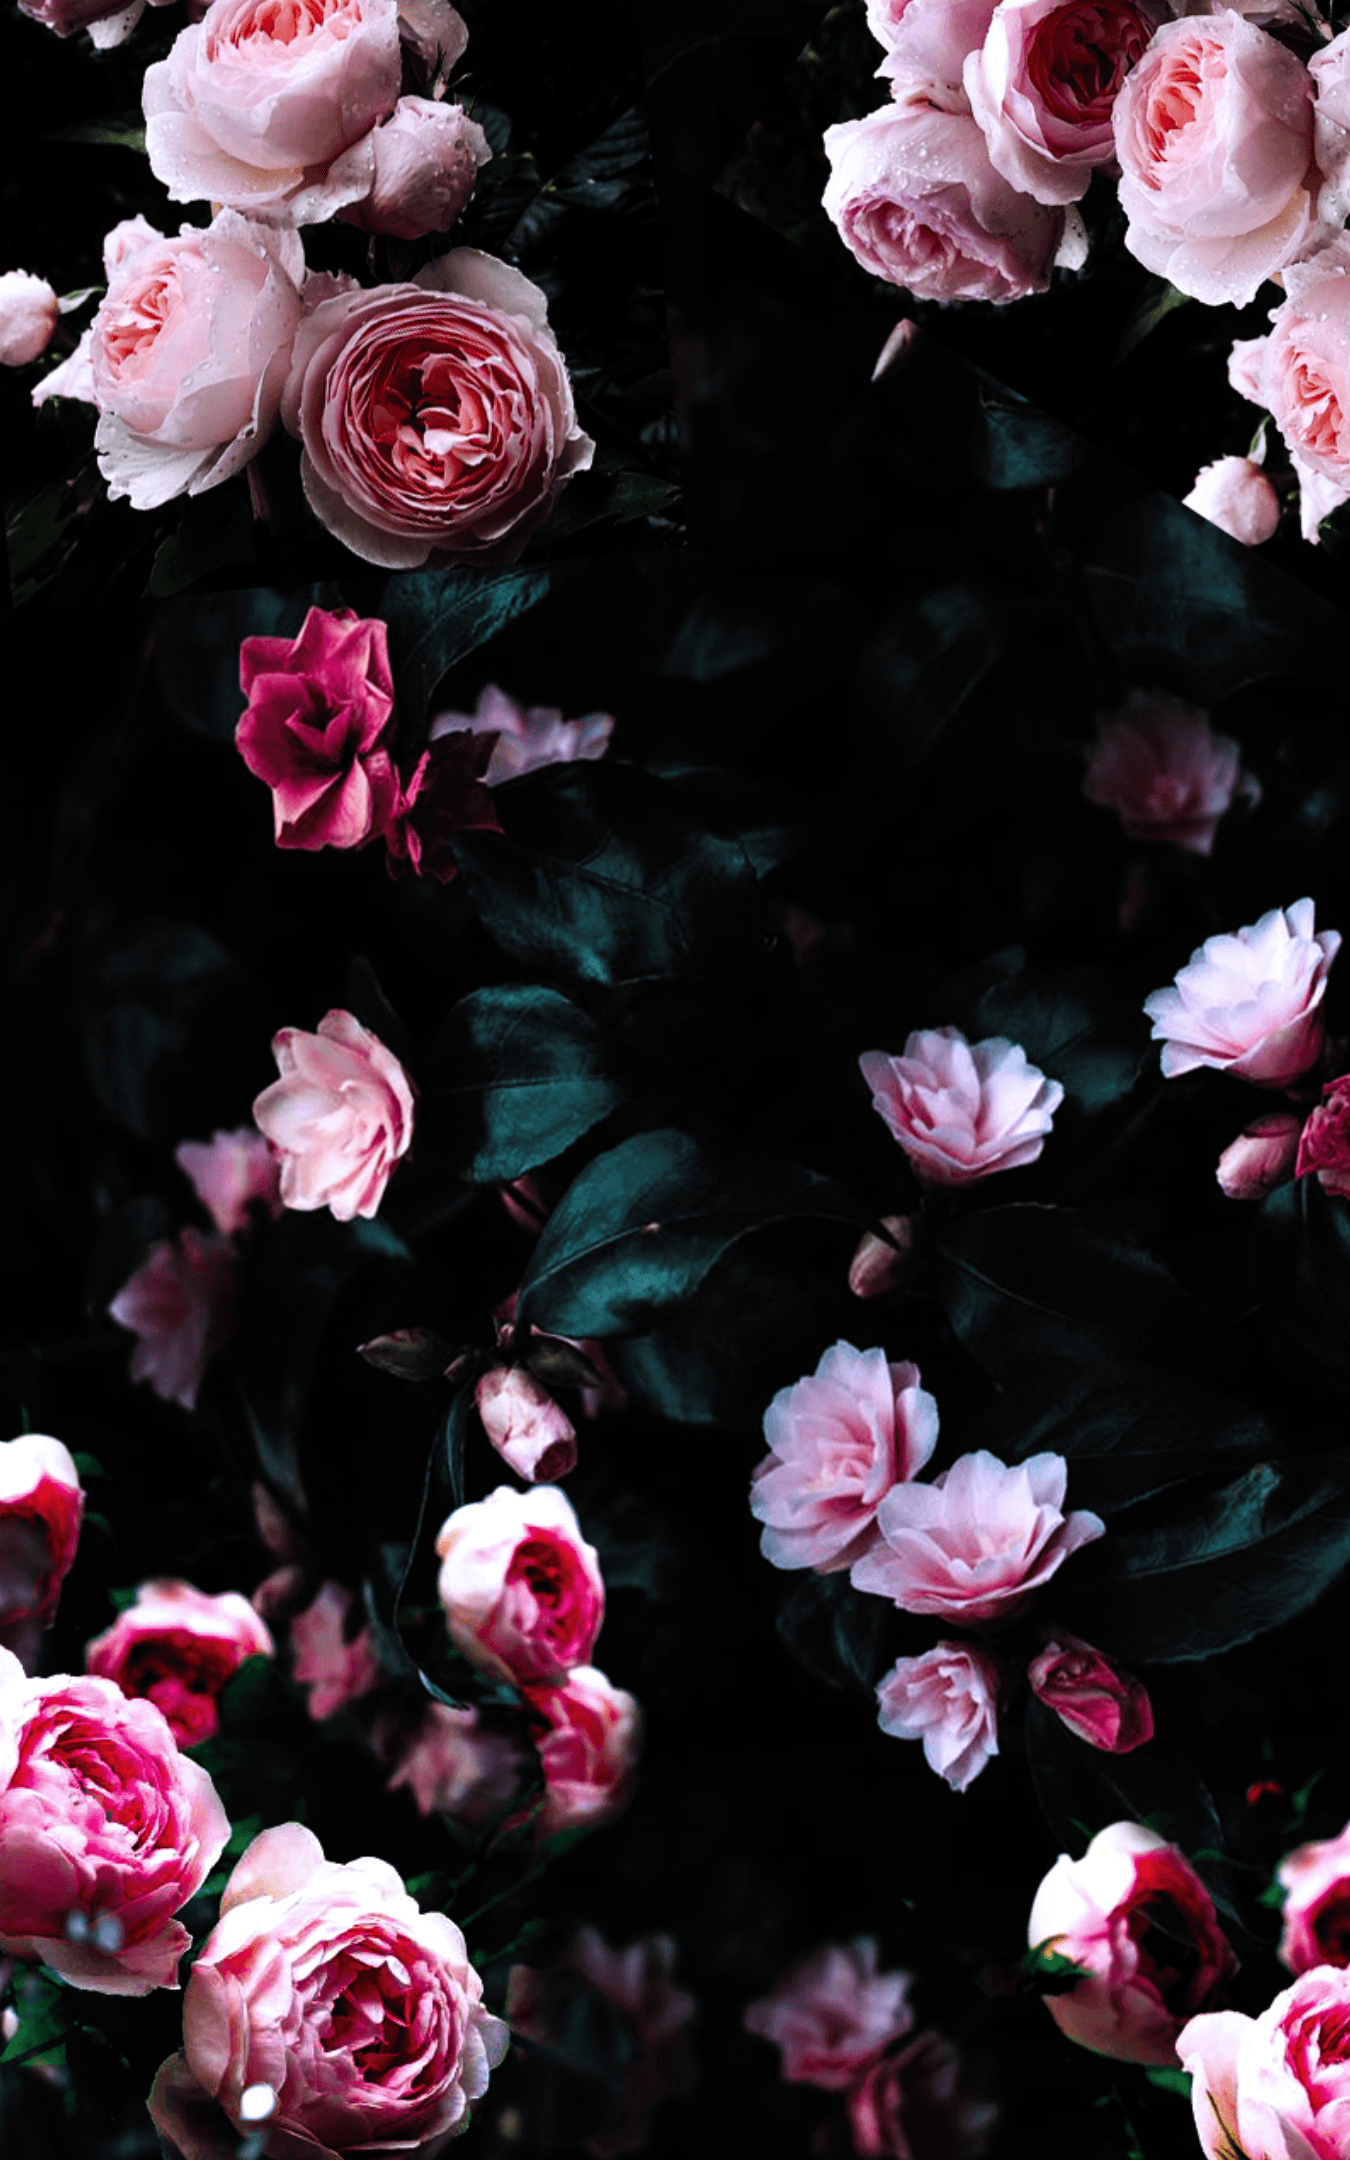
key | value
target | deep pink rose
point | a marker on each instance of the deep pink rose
(838, 1441)
(337, 1662)
(1136, 1918)
(1159, 765)
(340, 1117)
(1044, 85)
(231, 1174)
(1324, 1141)
(445, 795)
(589, 1738)
(833, 2015)
(916, 200)
(176, 1647)
(531, 1432)
(1093, 1697)
(948, 1698)
(178, 1305)
(318, 729)
(1249, 1002)
(1261, 1158)
(1300, 373)
(1275, 2087)
(910, 2106)
(528, 736)
(330, 1988)
(1316, 1884)
(29, 313)
(1214, 134)
(979, 1542)
(455, 1765)
(106, 1830)
(1234, 494)
(521, 1589)
(961, 1110)
(41, 1508)
(426, 160)
(437, 416)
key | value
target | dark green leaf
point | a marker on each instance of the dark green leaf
(595, 498)
(215, 532)
(611, 173)
(1301, 1262)
(1017, 446)
(517, 1074)
(1079, 1025)
(1155, 303)
(834, 1630)
(437, 617)
(197, 649)
(415, 1353)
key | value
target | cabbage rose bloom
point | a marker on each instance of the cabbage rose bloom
(833, 2014)
(1274, 2086)
(1261, 1158)
(838, 1441)
(522, 1590)
(318, 729)
(1044, 84)
(960, 1110)
(1135, 1917)
(1159, 765)
(29, 313)
(41, 1494)
(1249, 1001)
(231, 1173)
(336, 1666)
(948, 1698)
(176, 1647)
(589, 1737)
(979, 1542)
(340, 1117)
(331, 1989)
(909, 2104)
(426, 159)
(178, 1306)
(1324, 1141)
(1090, 1695)
(1234, 494)
(528, 736)
(1315, 1880)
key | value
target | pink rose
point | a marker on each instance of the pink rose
(336, 1662)
(1158, 764)
(318, 729)
(833, 2015)
(928, 47)
(522, 1591)
(527, 736)
(176, 1647)
(916, 200)
(589, 1738)
(106, 1830)
(884, 18)
(1275, 2087)
(426, 160)
(1044, 85)
(1329, 68)
(437, 416)
(977, 1543)
(1136, 1918)
(1214, 134)
(531, 1432)
(178, 1305)
(1315, 1880)
(948, 1698)
(1103, 1705)
(909, 2106)
(1249, 1002)
(838, 1441)
(41, 1508)
(231, 1174)
(961, 1110)
(455, 1765)
(340, 1117)
(1234, 494)
(1300, 373)
(1324, 1141)
(1261, 1158)
(332, 1990)
(29, 313)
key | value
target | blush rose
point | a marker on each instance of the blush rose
(1261, 1158)
(1043, 88)
(833, 2014)
(1234, 494)
(178, 1305)
(521, 1590)
(589, 1737)
(29, 313)
(456, 1765)
(948, 1698)
(335, 1661)
(528, 736)
(1277, 2085)
(176, 1647)
(318, 728)
(340, 1117)
(231, 1174)
(1300, 373)
(960, 1110)
(1249, 1002)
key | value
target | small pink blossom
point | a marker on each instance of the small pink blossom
(1249, 1002)
(522, 1591)
(176, 1647)
(1093, 1697)
(1234, 494)
(455, 1765)
(909, 2106)
(1159, 765)
(1315, 1880)
(426, 157)
(337, 1664)
(531, 1432)
(1261, 1158)
(961, 1110)
(833, 2015)
(948, 1698)
(340, 1117)
(29, 313)
(1324, 1141)
(528, 736)
(41, 1508)
(178, 1305)
(318, 728)
(230, 1174)
(589, 1739)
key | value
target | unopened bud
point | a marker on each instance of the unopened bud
(531, 1432)
(1260, 1158)
(878, 1266)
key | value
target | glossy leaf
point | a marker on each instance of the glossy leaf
(517, 1074)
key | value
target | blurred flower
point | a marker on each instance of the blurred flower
(1234, 494)
(455, 1765)
(948, 1698)
(1324, 1141)
(337, 1666)
(1261, 1158)
(521, 1589)
(444, 795)
(40, 1495)
(29, 313)
(176, 1647)
(340, 1116)
(909, 2106)
(962, 1110)
(317, 729)
(1276, 2082)
(1090, 1695)
(833, 2014)
(178, 1304)
(1316, 1883)
(1158, 764)
(230, 1173)
(531, 1432)
(1248, 1002)
(589, 1739)
(528, 736)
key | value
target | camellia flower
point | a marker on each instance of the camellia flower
(531, 1432)
(909, 2105)
(455, 1765)
(1090, 1695)
(29, 313)
(330, 1989)
(231, 1173)
(1158, 764)
(1315, 1880)
(838, 1441)
(522, 1590)
(589, 1738)
(1136, 1919)
(178, 1305)
(1274, 2086)
(1324, 1141)
(1249, 1002)
(176, 1647)
(960, 1110)
(948, 1698)
(528, 736)
(977, 1543)
(318, 727)
(41, 1494)
(337, 1666)
(340, 1117)
(1234, 494)
(834, 2014)
(1262, 1157)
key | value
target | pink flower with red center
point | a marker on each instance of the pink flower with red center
(521, 1589)
(833, 2015)
(1324, 1141)
(178, 1305)
(317, 729)
(176, 1647)
(1315, 1880)
(588, 1734)
(41, 1508)
(1044, 85)
(1090, 1695)
(1277, 2085)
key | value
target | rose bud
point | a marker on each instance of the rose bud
(948, 1698)
(41, 1507)
(1249, 1002)
(1324, 1143)
(1261, 1158)
(909, 2106)
(833, 2015)
(318, 729)
(336, 1667)
(1316, 1884)
(521, 1589)
(455, 1765)
(1136, 1919)
(962, 1110)
(340, 1117)
(426, 160)
(178, 1305)
(176, 1647)
(1090, 1695)
(528, 737)
(29, 313)
(231, 1173)
(1234, 494)
(1273, 2086)
(533, 1434)
(876, 1266)
(1159, 765)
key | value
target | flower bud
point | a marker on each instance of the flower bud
(1235, 495)
(877, 1266)
(531, 1432)
(1103, 1705)
(1260, 1158)
(29, 312)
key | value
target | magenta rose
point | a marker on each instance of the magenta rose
(1261, 1158)
(1090, 1695)
(29, 313)
(436, 417)
(178, 1305)
(1324, 1140)
(838, 1441)
(1044, 85)
(833, 2015)
(1315, 1880)
(589, 1737)
(948, 1698)
(521, 1589)
(340, 1117)
(1159, 765)
(334, 1659)
(231, 1174)
(426, 159)
(1249, 1001)
(330, 1989)
(1234, 494)
(106, 1831)
(909, 2106)
(176, 1647)
(455, 1765)
(960, 1110)
(318, 729)
(531, 1432)
(41, 1508)
(528, 736)
(1136, 1919)
(1275, 2087)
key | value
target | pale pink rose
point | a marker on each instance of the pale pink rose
(1300, 373)
(1044, 85)
(455, 1765)
(948, 1698)
(521, 1589)
(426, 159)
(838, 1441)
(1275, 2087)
(1159, 765)
(176, 1647)
(318, 729)
(531, 1432)
(1135, 1917)
(979, 1542)
(231, 1173)
(1249, 1001)
(833, 2015)
(178, 1305)
(329, 1987)
(1329, 68)
(437, 417)
(910, 2106)
(1261, 1158)
(528, 736)
(929, 46)
(340, 1117)
(1214, 135)
(1234, 494)
(589, 1738)
(884, 18)
(961, 1110)
(336, 1662)
(29, 313)
(1093, 1697)
(41, 1508)
(1315, 1880)
(106, 1831)
(877, 1266)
